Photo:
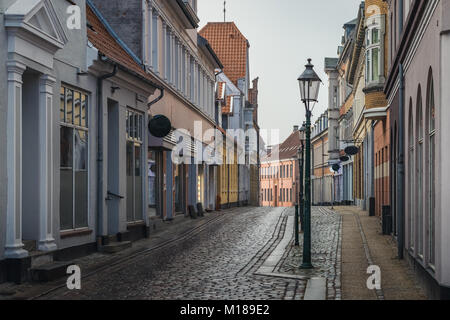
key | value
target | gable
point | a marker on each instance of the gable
(37, 17)
(42, 22)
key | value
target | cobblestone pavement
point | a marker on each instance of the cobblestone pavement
(326, 228)
(217, 263)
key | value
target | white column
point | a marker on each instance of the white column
(14, 246)
(46, 240)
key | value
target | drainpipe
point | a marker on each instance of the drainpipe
(401, 156)
(100, 198)
(401, 167)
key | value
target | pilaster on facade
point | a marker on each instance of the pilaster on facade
(46, 160)
(14, 246)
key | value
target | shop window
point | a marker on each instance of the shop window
(73, 159)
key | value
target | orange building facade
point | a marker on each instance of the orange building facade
(279, 173)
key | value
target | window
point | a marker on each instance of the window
(168, 55)
(374, 49)
(183, 70)
(411, 177)
(134, 132)
(155, 41)
(199, 85)
(74, 159)
(419, 173)
(177, 64)
(192, 80)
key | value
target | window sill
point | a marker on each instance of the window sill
(75, 233)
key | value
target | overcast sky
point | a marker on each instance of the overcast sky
(282, 35)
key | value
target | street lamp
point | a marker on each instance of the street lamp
(309, 83)
(301, 161)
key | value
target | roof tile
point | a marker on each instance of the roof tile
(231, 47)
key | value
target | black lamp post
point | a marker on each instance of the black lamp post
(309, 83)
(301, 161)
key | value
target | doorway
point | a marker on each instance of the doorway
(30, 156)
(114, 196)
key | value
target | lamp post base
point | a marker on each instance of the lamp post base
(306, 266)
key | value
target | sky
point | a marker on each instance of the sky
(283, 34)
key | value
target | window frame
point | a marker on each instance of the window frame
(137, 141)
(375, 22)
(74, 127)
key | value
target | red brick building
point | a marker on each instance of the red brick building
(279, 173)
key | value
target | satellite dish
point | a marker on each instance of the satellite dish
(336, 167)
(159, 126)
(352, 150)
(344, 158)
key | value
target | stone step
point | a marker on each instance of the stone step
(115, 247)
(50, 271)
(29, 245)
(39, 258)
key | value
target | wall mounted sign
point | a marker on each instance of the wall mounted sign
(159, 126)
(352, 150)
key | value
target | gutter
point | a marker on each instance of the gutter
(187, 13)
(100, 199)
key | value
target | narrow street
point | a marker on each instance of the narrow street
(216, 263)
(245, 254)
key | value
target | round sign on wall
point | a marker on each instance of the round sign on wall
(336, 167)
(159, 126)
(351, 150)
(344, 158)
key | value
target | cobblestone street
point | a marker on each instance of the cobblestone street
(219, 262)
(243, 254)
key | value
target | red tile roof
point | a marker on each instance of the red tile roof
(228, 107)
(230, 46)
(221, 90)
(289, 148)
(101, 38)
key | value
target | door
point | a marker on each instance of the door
(134, 166)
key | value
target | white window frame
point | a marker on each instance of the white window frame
(85, 128)
(375, 22)
(137, 138)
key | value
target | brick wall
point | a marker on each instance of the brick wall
(375, 100)
(382, 164)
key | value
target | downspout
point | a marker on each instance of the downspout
(401, 168)
(100, 198)
(401, 156)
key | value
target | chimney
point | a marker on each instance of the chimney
(296, 128)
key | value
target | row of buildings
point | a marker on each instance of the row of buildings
(381, 143)
(386, 98)
(82, 172)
